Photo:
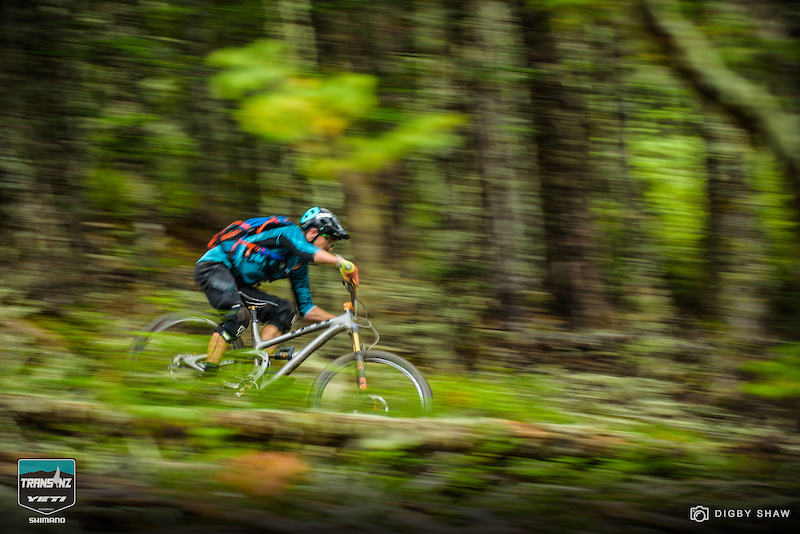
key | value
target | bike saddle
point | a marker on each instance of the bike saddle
(250, 300)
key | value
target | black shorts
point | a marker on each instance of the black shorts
(222, 291)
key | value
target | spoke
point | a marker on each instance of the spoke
(395, 387)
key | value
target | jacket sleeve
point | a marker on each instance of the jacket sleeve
(300, 287)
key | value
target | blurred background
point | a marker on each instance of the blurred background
(568, 212)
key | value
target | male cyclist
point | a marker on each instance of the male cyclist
(276, 253)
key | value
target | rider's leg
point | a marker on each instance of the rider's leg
(277, 316)
(227, 331)
(268, 332)
(216, 349)
(222, 292)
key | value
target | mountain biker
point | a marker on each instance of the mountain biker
(281, 252)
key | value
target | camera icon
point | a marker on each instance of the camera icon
(699, 514)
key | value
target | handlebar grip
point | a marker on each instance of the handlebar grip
(347, 267)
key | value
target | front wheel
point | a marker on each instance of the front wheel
(394, 387)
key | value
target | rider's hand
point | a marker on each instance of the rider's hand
(349, 271)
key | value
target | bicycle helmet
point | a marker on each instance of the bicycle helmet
(325, 221)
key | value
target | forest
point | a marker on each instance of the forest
(579, 218)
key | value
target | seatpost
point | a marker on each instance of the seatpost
(255, 334)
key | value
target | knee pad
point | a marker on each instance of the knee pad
(234, 324)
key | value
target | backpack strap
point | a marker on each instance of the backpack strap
(275, 220)
(253, 248)
(229, 232)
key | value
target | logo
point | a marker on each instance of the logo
(46, 486)
(699, 513)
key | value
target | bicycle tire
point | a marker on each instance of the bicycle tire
(388, 389)
(152, 353)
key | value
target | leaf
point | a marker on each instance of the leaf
(374, 153)
(280, 117)
(256, 67)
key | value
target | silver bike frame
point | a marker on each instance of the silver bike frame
(330, 327)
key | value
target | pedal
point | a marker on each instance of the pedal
(247, 386)
(283, 353)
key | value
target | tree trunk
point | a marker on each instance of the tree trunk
(40, 160)
(366, 209)
(735, 245)
(496, 100)
(627, 251)
(562, 137)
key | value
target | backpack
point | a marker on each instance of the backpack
(239, 230)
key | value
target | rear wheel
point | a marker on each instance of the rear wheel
(174, 346)
(394, 387)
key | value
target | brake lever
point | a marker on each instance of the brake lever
(351, 288)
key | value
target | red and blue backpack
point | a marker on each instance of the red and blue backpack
(239, 230)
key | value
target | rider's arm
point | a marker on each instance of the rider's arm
(300, 287)
(302, 294)
(325, 257)
(347, 268)
(293, 239)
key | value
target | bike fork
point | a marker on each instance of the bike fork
(361, 371)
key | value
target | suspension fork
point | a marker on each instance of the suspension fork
(361, 371)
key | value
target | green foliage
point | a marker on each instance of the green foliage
(259, 66)
(776, 215)
(210, 437)
(670, 168)
(424, 133)
(164, 155)
(283, 105)
(520, 398)
(315, 114)
(778, 378)
(308, 109)
(111, 192)
(572, 13)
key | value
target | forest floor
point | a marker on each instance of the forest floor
(612, 463)
(556, 432)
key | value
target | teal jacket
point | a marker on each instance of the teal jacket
(284, 253)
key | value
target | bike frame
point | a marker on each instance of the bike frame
(331, 328)
(345, 322)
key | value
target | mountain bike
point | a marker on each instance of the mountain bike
(363, 381)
